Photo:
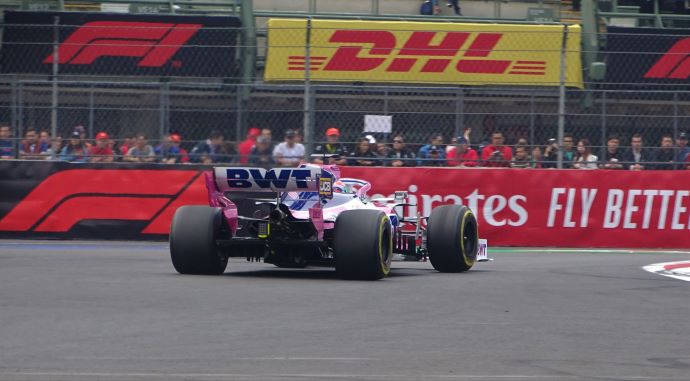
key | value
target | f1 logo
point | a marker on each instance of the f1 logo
(155, 43)
(674, 64)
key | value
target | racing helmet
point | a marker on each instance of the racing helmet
(341, 187)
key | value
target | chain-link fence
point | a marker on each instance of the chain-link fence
(521, 95)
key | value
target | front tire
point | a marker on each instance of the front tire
(363, 244)
(452, 238)
(193, 234)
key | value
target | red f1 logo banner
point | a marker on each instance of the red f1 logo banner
(62, 200)
(154, 43)
(121, 44)
(648, 56)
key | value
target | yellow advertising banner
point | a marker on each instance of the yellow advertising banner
(419, 52)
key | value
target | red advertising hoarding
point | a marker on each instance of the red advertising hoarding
(515, 207)
(567, 208)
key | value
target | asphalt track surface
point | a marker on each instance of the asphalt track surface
(118, 311)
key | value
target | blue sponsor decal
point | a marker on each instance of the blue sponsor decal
(246, 178)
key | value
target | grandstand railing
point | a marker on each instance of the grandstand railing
(193, 110)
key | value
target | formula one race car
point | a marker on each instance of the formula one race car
(315, 217)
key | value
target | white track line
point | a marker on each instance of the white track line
(677, 270)
(271, 376)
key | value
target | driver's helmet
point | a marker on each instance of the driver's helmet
(341, 187)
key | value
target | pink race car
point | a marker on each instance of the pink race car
(296, 217)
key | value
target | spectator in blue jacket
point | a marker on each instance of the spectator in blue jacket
(75, 150)
(6, 143)
(424, 156)
(210, 150)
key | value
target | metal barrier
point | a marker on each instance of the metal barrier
(194, 110)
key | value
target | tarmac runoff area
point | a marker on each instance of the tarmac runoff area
(118, 311)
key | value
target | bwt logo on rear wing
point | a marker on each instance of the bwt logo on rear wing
(271, 180)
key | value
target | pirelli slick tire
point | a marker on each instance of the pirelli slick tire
(363, 244)
(193, 234)
(452, 238)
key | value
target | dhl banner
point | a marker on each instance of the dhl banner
(418, 52)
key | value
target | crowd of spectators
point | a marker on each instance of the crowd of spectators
(259, 149)
(77, 148)
(497, 153)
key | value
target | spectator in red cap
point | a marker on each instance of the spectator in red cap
(102, 152)
(332, 147)
(169, 151)
(183, 155)
(245, 147)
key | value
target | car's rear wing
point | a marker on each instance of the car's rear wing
(246, 179)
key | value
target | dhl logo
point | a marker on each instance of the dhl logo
(464, 52)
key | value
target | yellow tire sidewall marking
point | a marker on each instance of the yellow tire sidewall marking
(468, 261)
(384, 266)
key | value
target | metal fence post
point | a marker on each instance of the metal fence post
(531, 120)
(13, 110)
(162, 109)
(20, 116)
(602, 143)
(239, 111)
(675, 115)
(459, 112)
(54, 97)
(308, 96)
(385, 101)
(497, 9)
(375, 7)
(91, 110)
(561, 97)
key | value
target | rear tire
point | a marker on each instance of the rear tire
(193, 234)
(452, 238)
(363, 244)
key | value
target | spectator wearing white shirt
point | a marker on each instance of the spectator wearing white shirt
(141, 152)
(289, 153)
(584, 158)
